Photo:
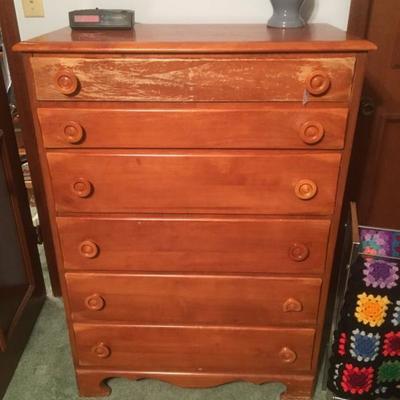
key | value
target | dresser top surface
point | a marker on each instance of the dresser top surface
(197, 38)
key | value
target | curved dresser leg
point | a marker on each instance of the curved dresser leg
(91, 384)
(298, 389)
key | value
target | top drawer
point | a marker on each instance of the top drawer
(193, 79)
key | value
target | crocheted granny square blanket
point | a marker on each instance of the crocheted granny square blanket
(365, 363)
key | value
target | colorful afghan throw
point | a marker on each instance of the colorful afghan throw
(380, 242)
(366, 353)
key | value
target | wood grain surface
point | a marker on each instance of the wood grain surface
(198, 182)
(230, 126)
(188, 349)
(191, 79)
(198, 38)
(193, 299)
(194, 244)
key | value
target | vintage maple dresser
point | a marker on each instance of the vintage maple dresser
(196, 175)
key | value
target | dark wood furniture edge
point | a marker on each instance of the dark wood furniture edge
(360, 11)
(92, 382)
(376, 155)
(355, 234)
(11, 36)
(19, 198)
(3, 341)
(190, 48)
(9, 158)
(9, 359)
(14, 340)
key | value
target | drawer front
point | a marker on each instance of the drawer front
(195, 182)
(193, 300)
(205, 244)
(211, 126)
(193, 79)
(188, 349)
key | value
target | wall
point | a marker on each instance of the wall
(182, 11)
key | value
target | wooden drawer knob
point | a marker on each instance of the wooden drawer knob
(66, 82)
(89, 249)
(306, 189)
(292, 305)
(287, 355)
(312, 132)
(73, 132)
(82, 188)
(318, 83)
(95, 302)
(299, 252)
(101, 350)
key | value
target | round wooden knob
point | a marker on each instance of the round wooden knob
(88, 249)
(73, 132)
(318, 83)
(82, 187)
(287, 355)
(299, 252)
(292, 305)
(306, 189)
(101, 350)
(312, 132)
(66, 82)
(95, 302)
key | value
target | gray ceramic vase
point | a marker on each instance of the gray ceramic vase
(286, 14)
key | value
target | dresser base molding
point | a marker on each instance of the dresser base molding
(92, 383)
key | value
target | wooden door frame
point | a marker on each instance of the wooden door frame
(358, 24)
(371, 126)
(360, 11)
(11, 36)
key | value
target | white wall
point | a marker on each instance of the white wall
(334, 12)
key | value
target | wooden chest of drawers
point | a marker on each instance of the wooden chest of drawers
(196, 176)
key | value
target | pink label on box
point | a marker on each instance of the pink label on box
(87, 18)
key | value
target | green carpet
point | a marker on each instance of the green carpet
(45, 372)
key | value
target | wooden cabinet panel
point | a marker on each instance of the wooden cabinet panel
(193, 79)
(205, 182)
(375, 169)
(193, 299)
(200, 126)
(380, 197)
(188, 349)
(187, 244)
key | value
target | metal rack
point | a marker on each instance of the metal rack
(349, 254)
